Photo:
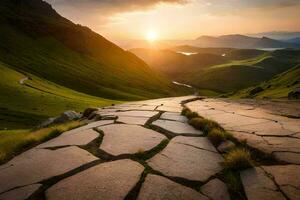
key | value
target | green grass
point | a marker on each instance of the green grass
(24, 106)
(238, 74)
(13, 142)
(204, 125)
(238, 159)
(217, 136)
(277, 87)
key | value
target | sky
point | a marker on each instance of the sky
(180, 19)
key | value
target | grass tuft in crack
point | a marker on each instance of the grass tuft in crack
(217, 136)
(238, 159)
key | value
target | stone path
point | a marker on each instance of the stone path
(273, 127)
(146, 150)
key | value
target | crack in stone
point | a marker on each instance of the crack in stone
(271, 177)
(197, 147)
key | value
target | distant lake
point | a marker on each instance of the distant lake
(187, 53)
(271, 49)
(182, 84)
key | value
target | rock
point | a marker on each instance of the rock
(258, 185)
(37, 165)
(158, 187)
(226, 146)
(67, 116)
(187, 160)
(133, 120)
(295, 94)
(20, 193)
(64, 117)
(288, 179)
(79, 138)
(216, 190)
(87, 112)
(256, 91)
(177, 128)
(128, 139)
(110, 180)
(173, 116)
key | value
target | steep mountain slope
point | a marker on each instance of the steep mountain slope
(37, 40)
(278, 87)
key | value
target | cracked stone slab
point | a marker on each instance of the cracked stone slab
(79, 138)
(110, 180)
(128, 139)
(216, 190)
(133, 120)
(132, 113)
(37, 165)
(20, 193)
(197, 142)
(176, 127)
(173, 116)
(264, 129)
(288, 179)
(258, 185)
(90, 126)
(160, 188)
(290, 157)
(173, 108)
(185, 161)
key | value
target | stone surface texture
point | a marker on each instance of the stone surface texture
(100, 160)
(190, 161)
(128, 139)
(40, 164)
(112, 180)
(20, 193)
(216, 190)
(177, 128)
(158, 187)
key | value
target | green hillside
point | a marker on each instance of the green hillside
(35, 39)
(70, 67)
(174, 64)
(278, 87)
(25, 105)
(238, 74)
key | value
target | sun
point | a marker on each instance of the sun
(151, 36)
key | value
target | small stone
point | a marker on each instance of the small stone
(216, 190)
(160, 188)
(110, 180)
(20, 193)
(226, 146)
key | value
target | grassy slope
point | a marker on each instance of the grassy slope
(23, 106)
(239, 74)
(35, 39)
(278, 87)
